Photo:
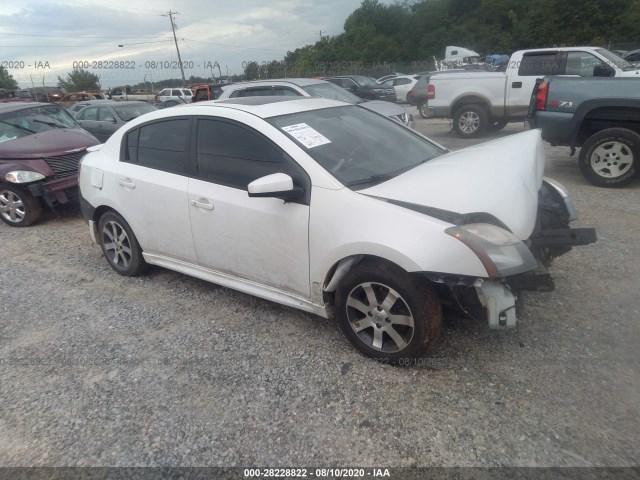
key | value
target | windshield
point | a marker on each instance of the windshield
(129, 112)
(365, 81)
(358, 147)
(615, 60)
(22, 123)
(332, 91)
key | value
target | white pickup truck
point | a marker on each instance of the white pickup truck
(479, 101)
(126, 93)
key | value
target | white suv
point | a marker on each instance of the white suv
(332, 209)
(180, 94)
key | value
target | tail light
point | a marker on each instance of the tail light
(541, 96)
(413, 92)
(431, 92)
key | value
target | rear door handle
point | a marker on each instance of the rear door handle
(516, 84)
(202, 203)
(127, 182)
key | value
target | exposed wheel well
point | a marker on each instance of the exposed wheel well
(471, 100)
(608, 117)
(339, 269)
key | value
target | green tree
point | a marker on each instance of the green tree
(6, 80)
(79, 80)
(252, 71)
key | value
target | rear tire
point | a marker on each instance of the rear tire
(387, 313)
(423, 110)
(120, 246)
(18, 208)
(470, 121)
(609, 158)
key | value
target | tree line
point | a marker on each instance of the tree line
(409, 33)
(378, 36)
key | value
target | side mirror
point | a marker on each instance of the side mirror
(603, 71)
(353, 88)
(276, 185)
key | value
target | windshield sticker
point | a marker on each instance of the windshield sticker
(306, 135)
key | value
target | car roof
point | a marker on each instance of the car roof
(300, 82)
(260, 106)
(564, 49)
(12, 107)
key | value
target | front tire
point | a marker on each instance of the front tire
(470, 121)
(388, 314)
(18, 208)
(120, 246)
(609, 158)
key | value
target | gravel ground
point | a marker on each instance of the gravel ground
(101, 370)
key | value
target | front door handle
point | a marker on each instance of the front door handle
(127, 182)
(202, 203)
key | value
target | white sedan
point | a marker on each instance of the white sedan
(402, 84)
(332, 209)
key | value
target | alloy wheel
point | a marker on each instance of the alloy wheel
(12, 207)
(469, 122)
(380, 317)
(117, 246)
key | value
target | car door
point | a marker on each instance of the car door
(88, 119)
(151, 185)
(263, 240)
(106, 124)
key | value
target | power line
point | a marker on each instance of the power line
(65, 36)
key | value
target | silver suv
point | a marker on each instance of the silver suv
(312, 87)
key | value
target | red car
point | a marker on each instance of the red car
(40, 148)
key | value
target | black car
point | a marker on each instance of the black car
(365, 87)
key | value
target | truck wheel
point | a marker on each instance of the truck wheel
(470, 121)
(609, 158)
(388, 314)
(18, 208)
(423, 110)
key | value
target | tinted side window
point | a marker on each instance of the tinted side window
(402, 81)
(539, 64)
(259, 92)
(233, 155)
(162, 145)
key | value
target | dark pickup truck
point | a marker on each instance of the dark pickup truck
(601, 115)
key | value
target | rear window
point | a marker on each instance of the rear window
(539, 64)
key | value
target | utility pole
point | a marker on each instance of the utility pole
(320, 32)
(170, 14)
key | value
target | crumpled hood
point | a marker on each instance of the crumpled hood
(50, 143)
(501, 177)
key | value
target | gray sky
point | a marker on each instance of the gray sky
(40, 40)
